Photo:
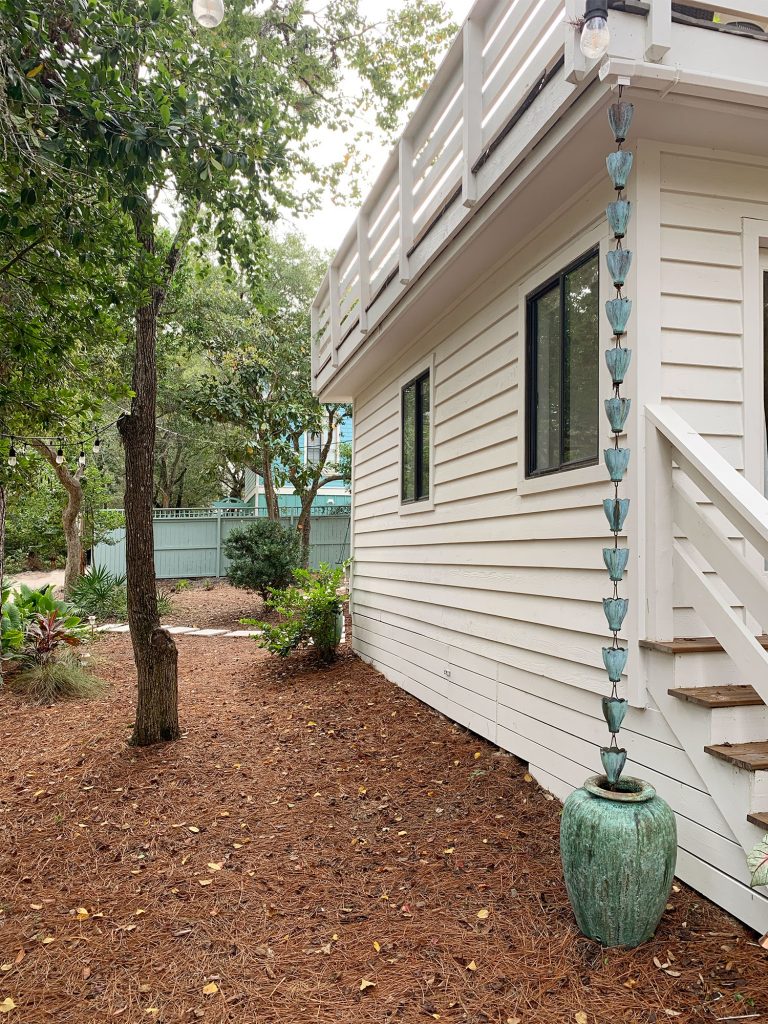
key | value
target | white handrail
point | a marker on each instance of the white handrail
(740, 502)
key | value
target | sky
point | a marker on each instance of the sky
(326, 228)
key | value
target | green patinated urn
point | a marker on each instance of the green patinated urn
(618, 849)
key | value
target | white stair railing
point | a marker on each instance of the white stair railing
(743, 512)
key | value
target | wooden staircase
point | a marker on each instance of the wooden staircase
(734, 721)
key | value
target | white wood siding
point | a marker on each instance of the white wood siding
(488, 606)
(705, 198)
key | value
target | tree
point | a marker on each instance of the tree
(215, 125)
(263, 383)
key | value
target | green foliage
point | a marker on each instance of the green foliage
(262, 555)
(28, 605)
(310, 614)
(62, 678)
(181, 585)
(757, 862)
(101, 593)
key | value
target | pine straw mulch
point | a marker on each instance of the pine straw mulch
(315, 829)
(216, 605)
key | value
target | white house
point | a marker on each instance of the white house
(478, 479)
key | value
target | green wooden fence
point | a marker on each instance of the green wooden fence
(188, 541)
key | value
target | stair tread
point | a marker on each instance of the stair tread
(692, 644)
(753, 757)
(737, 696)
(759, 818)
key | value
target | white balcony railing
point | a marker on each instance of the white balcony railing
(506, 53)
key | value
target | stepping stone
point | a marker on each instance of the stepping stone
(209, 632)
(179, 629)
(114, 629)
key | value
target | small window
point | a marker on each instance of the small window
(415, 439)
(314, 447)
(562, 370)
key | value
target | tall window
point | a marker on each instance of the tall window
(562, 370)
(314, 447)
(415, 439)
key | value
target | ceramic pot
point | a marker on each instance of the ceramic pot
(618, 850)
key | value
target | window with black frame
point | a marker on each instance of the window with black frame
(415, 439)
(562, 370)
(314, 448)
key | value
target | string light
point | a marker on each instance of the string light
(96, 446)
(12, 456)
(59, 455)
(81, 459)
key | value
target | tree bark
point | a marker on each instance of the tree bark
(3, 505)
(270, 494)
(154, 652)
(71, 516)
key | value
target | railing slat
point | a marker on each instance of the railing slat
(406, 205)
(472, 128)
(734, 496)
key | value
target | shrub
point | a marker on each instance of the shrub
(181, 585)
(46, 634)
(26, 605)
(164, 603)
(61, 678)
(101, 593)
(310, 613)
(262, 556)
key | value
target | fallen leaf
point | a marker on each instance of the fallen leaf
(213, 866)
(7, 1005)
(514, 1020)
(377, 946)
(204, 881)
(210, 989)
(193, 828)
(36, 906)
(471, 966)
(527, 777)
(48, 940)
(33, 72)
(483, 915)
(86, 972)
(673, 974)
(81, 913)
(673, 1013)
(630, 983)
(478, 754)
(138, 912)
(449, 849)
(364, 984)
(581, 1017)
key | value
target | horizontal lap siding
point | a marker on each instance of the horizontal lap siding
(488, 607)
(703, 202)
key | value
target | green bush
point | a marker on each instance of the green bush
(61, 678)
(23, 609)
(181, 585)
(310, 614)
(101, 593)
(262, 556)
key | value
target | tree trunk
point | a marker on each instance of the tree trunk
(304, 526)
(154, 652)
(71, 516)
(3, 504)
(270, 494)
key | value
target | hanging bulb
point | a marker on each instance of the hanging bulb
(81, 460)
(59, 456)
(11, 456)
(595, 36)
(208, 13)
(96, 446)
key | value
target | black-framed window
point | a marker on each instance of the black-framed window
(562, 370)
(414, 412)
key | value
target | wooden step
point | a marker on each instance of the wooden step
(691, 644)
(752, 757)
(718, 696)
(759, 818)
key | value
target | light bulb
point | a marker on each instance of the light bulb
(11, 456)
(96, 446)
(81, 459)
(59, 457)
(595, 37)
(208, 13)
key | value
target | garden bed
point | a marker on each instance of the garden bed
(320, 847)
